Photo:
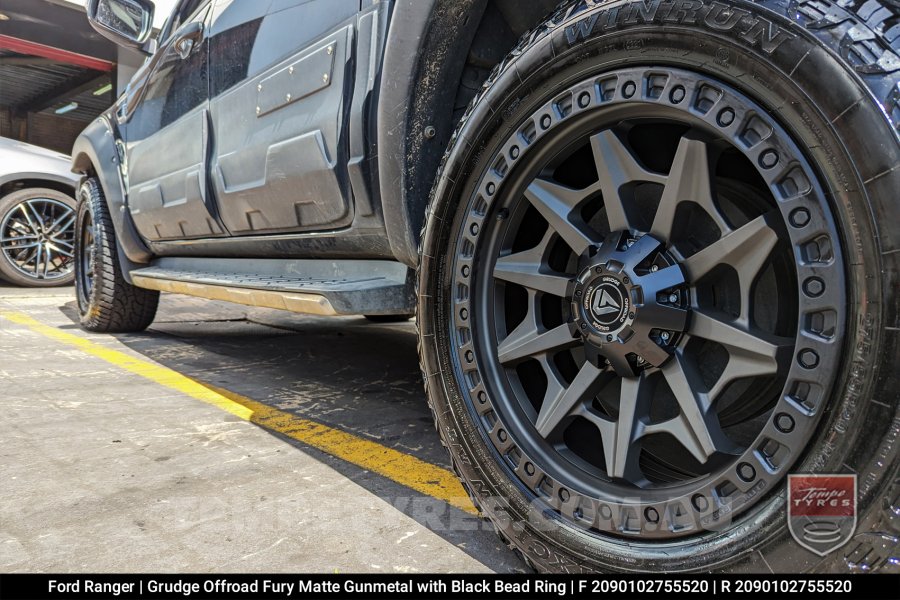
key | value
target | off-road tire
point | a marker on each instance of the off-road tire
(111, 305)
(829, 73)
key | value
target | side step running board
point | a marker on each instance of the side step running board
(319, 287)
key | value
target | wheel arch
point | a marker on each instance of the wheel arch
(437, 55)
(20, 181)
(95, 155)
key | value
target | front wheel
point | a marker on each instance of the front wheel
(644, 280)
(107, 303)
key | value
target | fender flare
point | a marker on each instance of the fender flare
(416, 74)
(95, 153)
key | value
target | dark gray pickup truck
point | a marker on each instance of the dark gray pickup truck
(652, 246)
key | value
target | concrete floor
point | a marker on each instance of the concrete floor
(105, 470)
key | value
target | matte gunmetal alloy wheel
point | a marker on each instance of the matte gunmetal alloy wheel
(639, 300)
(37, 238)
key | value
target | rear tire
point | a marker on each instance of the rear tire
(106, 302)
(616, 58)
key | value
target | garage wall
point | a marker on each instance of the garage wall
(48, 131)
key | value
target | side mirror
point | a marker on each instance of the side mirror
(125, 22)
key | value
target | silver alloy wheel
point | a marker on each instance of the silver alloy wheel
(37, 238)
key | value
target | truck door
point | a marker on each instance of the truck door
(167, 131)
(280, 86)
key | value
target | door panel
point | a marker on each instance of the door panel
(167, 139)
(280, 94)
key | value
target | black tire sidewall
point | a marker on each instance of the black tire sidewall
(92, 203)
(9, 202)
(854, 430)
(85, 209)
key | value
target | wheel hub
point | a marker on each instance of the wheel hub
(603, 303)
(627, 303)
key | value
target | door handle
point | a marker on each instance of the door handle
(188, 38)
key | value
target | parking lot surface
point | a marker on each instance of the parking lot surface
(223, 439)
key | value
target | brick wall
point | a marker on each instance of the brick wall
(56, 133)
(48, 131)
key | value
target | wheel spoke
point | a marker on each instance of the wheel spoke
(689, 180)
(634, 414)
(37, 259)
(697, 427)
(562, 404)
(528, 339)
(558, 205)
(56, 228)
(59, 250)
(18, 238)
(745, 250)
(37, 214)
(529, 269)
(47, 258)
(17, 246)
(616, 168)
(751, 354)
(35, 229)
(57, 240)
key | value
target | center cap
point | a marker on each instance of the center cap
(627, 303)
(606, 304)
(603, 306)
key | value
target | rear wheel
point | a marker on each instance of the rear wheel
(37, 236)
(106, 302)
(637, 291)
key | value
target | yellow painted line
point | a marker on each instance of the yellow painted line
(406, 470)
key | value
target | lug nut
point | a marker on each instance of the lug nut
(609, 338)
(673, 298)
(746, 472)
(799, 217)
(654, 268)
(814, 287)
(784, 423)
(665, 336)
(808, 358)
(768, 159)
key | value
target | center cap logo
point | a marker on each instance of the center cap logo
(606, 304)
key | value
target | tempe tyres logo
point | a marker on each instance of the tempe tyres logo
(822, 511)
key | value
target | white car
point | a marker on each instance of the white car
(37, 215)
